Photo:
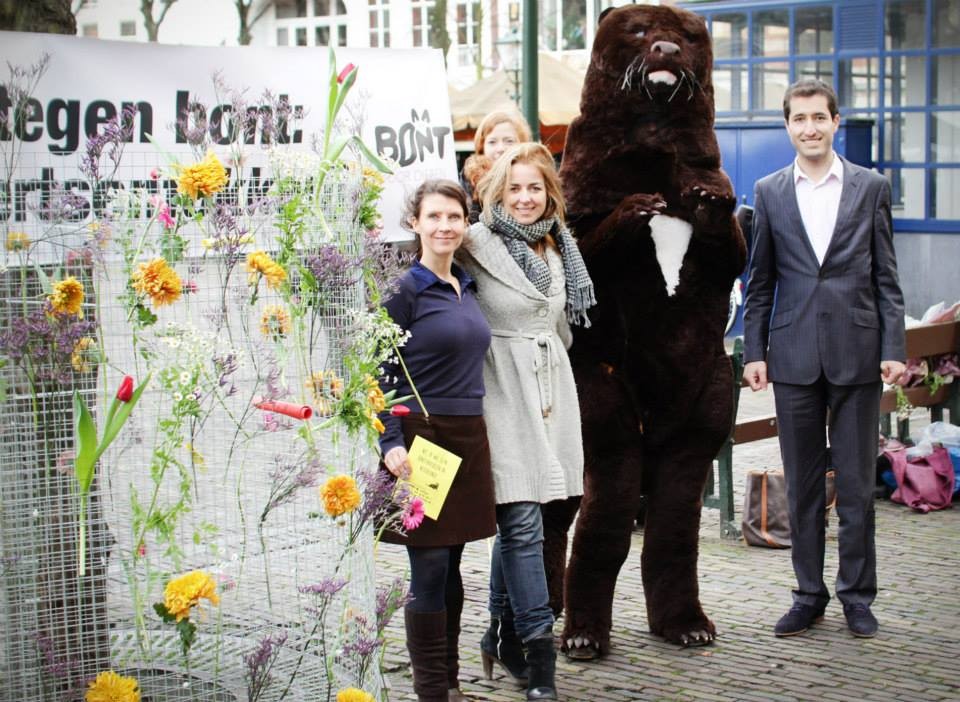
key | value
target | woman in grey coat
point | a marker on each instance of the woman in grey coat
(531, 285)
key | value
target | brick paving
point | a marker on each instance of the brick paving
(915, 656)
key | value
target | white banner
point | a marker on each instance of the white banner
(400, 101)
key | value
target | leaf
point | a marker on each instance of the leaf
(373, 158)
(164, 613)
(144, 316)
(45, 283)
(85, 438)
(188, 633)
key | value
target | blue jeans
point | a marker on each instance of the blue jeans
(517, 578)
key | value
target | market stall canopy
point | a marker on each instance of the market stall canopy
(559, 100)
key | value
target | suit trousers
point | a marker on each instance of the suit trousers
(854, 414)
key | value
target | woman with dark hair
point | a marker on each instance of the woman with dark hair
(436, 302)
(533, 285)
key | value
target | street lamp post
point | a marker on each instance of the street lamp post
(508, 46)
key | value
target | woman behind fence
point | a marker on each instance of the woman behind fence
(436, 302)
(531, 285)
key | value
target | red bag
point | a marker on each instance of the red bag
(924, 483)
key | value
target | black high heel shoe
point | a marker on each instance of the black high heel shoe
(500, 644)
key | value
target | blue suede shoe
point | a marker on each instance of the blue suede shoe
(860, 620)
(798, 620)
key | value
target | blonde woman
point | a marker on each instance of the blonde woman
(532, 284)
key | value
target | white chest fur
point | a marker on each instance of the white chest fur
(671, 237)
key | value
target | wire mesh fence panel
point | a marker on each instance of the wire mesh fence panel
(222, 547)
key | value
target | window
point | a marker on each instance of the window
(548, 24)
(858, 82)
(574, 24)
(89, 30)
(905, 136)
(730, 87)
(822, 70)
(291, 8)
(813, 30)
(945, 81)
(946, 184)
(945, 144)
(421, 21)
(946, 24)
(301, 36)
(909, 191)
(283, 36)
(379, 23)
(906, 81)
(730, 35)
(770, 82)
(771, 33)
(128, 29)
(468, 32)
(903, 24)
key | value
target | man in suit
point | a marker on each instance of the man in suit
(823, 322)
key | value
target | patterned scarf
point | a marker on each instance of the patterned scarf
(518, 237)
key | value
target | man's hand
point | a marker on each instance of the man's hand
(755, 373)
(396, 462)
(890, 371)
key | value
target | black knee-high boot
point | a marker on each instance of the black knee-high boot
(500, 644)
(427, 644)
(542, 659)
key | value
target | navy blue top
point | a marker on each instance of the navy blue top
(449, 337)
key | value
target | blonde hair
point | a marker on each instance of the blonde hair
(491, 120)
(493, 185)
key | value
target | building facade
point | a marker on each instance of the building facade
(894, 62)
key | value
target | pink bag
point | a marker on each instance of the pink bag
(924, 483)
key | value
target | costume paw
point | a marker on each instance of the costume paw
(581, 648)
(697, 638)
(701, 633)
(640, 207)
(705, 195)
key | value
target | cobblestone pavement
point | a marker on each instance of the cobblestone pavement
(915, 656)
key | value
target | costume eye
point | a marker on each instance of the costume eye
(640, 34)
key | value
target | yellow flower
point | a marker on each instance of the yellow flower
(202, 179)
(340, 495)
(67, 296)
(375, 422)
(323, 385)
(352, 694)
(376, 400)
(184, 593)
(259, 263)
(111, 687)
(17, 241)
(79, 359)
(275, 322)
(159, 281)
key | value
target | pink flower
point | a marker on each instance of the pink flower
(190, 287)
(413, 514)
(155, 174)
(347, 70)
(163, 216)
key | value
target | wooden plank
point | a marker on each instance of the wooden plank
(933, 339)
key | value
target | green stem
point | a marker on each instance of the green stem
(406, 373)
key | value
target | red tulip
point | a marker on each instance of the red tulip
(125, 392)
(345, 72)
(399, 410)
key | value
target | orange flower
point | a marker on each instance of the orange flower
(202, 179)
(375, 422)
(158, 281)
(17, 241)
(340, 495)
(67, 296)
(275, 322)
(260, 264)
(376, 400)
(81, 356)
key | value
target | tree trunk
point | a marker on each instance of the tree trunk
(439, 36)
(47, 16)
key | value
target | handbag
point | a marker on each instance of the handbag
(766, 517)
(766, 520)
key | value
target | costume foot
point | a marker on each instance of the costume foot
(689, 633)
(581, 648)
(697, 638)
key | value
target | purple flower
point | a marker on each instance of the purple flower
(47, 341)
(332, 274)
(391, 599)
(259, 662)
(112, 137)
(325, 588)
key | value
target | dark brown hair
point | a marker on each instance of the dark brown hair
(808, 87)
(434, 186)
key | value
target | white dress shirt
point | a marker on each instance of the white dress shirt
(819, 203)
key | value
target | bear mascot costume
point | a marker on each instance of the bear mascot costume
(653, 215)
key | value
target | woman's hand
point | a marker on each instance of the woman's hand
(397, 463)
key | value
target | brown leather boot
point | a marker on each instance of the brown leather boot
(427, 644)
(454, 609)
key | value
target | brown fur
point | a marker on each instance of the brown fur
(652, 374)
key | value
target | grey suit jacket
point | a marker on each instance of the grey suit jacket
(840, 318)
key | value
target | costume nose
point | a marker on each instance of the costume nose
(665, 47)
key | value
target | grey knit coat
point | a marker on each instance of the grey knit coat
(530, 408)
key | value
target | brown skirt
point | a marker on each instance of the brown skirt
(469, 512)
